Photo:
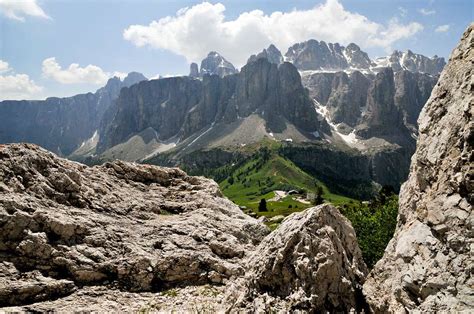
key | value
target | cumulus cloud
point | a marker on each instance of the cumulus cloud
(193, 31)
(442, 28)
(18, 9)
(395, 31)
(427, 11)
(16, 86)
(74, 73)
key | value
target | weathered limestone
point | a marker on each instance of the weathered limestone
(429, 263)
(312, 262)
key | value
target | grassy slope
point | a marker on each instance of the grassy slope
(258, 177)
(373, 222)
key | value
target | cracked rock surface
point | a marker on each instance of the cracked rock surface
(312, 262)
(128, 237)
(141, 228)
(428, 265)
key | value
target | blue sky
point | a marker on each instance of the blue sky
(117, 36)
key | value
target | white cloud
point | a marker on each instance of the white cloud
(194, 31)
(394, 32)
(427, 11)
(18, 9)
(442, 28)
(74, 73)
(4, 67)
(16, 86)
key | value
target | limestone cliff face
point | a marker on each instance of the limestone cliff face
(60, 124)
(275, 92)
(382, 115)
(160, 104)
(412, 90)
(181, 106)
(428, 264)
(378, 105)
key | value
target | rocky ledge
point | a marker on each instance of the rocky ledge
(134, 237)
(141, 228)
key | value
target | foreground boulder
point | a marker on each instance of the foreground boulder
(428, 265)
(137, 227)
(312, 262)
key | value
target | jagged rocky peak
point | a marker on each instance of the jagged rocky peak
(427, 266)
(357, 58)
(413, 62)
(316, 55)
(114, 84)
(272, 54)
(216, 64)
(193, 70)
(133, 78)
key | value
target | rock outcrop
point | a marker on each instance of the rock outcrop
(311, 263)
(193, 70)
(135, 227)
(428, 265)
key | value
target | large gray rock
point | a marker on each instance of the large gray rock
(428, 264)
(17, 288)
(134, 227)
(311, 263)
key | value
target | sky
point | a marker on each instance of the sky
(65, 47)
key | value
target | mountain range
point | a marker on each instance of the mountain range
(328, 106)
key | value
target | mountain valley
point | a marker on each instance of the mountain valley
(315, 179)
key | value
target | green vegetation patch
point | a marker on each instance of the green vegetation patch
(374, 223)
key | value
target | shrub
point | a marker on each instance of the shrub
(374, 224)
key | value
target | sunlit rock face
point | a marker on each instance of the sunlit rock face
(428, 264)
